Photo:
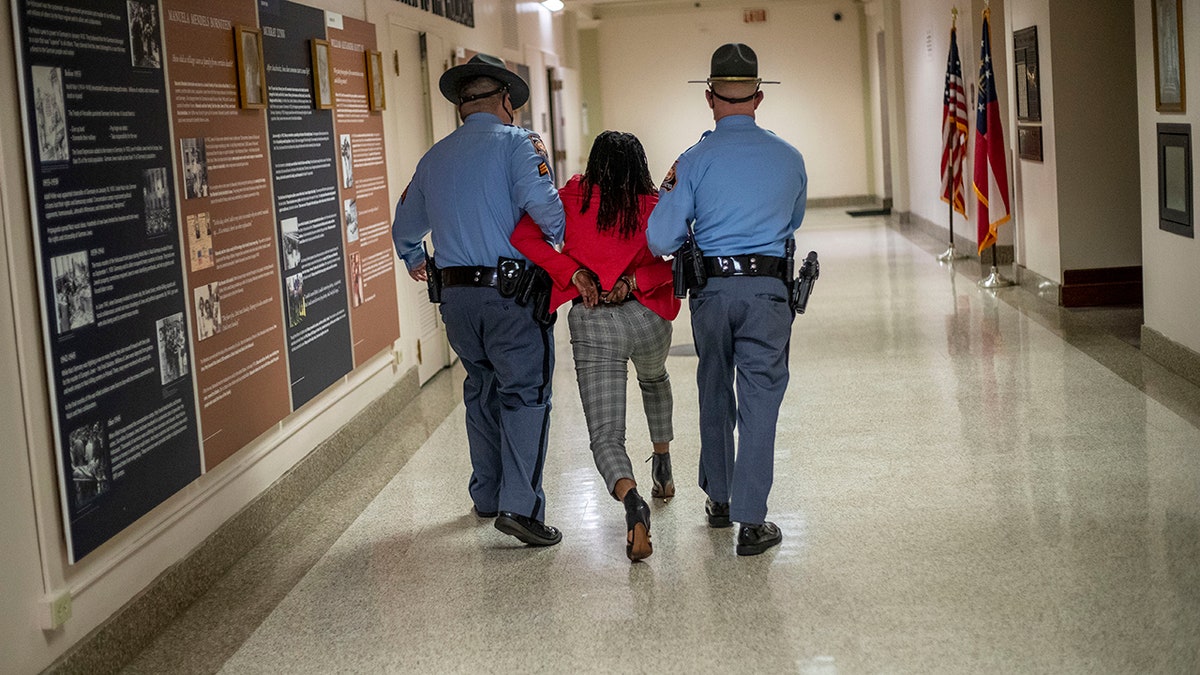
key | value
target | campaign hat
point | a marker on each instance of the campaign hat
(483, 65)
(734, 62)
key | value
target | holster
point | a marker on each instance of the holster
(687, 269)
(433, 279)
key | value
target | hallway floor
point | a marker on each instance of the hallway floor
(966, 480)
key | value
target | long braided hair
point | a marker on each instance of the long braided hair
(617, 166)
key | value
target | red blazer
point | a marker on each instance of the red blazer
(605, 253)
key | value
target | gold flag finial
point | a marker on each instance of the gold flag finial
(953, 16)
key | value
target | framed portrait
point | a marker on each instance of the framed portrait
(1170, 90)
(1176, 203)
(375, 94)
(322, 75)
(1025, 62)
(252, 79)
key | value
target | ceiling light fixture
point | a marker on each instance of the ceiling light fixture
(553, 5)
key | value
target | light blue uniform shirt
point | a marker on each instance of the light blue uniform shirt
(744, 187)
(470, 189)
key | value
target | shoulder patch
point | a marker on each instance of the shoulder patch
(543, 169)
(538, 146)
(668, 183)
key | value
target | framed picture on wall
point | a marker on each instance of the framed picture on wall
(252, 80)
(322, 75)
(1170, 90)
(375, 94)
(1028, 89)
(1176, 203)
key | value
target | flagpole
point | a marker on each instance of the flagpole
(994, 280)
(950, 255)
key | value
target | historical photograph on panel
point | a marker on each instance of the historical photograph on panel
(51, 112)
(199, 237)
(295, 300)
(208, 310)
(158, 201)
(144, 49)
(195, 168)
(347, 162)
(356, 279)
(351, 207)
(72, 291)
(172, 348)
(290, 227)
(91, 469)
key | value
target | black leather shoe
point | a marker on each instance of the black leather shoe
(483, 514)
(664, 484)
(637, 521)
(718, 513)
(528, 530)
(754, 539)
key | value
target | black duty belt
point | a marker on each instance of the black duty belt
(468, 276)
(745, 266)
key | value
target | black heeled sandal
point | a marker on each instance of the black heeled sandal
(637, 520)
(660, 473)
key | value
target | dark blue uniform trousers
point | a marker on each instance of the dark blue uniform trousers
(742, 327)
(509, 359)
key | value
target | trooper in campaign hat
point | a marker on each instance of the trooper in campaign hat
(744, 190)
(469, 190)
(456, 80)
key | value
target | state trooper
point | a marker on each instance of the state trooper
(741, 191)
(470, 189)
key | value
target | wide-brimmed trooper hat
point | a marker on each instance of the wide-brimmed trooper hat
(733, 62)
(483, 65)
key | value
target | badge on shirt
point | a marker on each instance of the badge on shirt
(538, 146)
(668, 183)
(543, 169)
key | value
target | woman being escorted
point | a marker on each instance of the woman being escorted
(624, 303)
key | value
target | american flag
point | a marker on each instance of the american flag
(991, 172)
(954, 129)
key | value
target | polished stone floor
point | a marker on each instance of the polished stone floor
(967, 481)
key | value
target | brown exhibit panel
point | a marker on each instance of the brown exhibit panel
(227, 214)
(366, 206)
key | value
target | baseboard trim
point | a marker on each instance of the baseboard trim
(848, 200)
(1102, 287)
(1171, 355)
(909, 223)
(134, 627)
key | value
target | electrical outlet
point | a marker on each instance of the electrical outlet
(57, 611)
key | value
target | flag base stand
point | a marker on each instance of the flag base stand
(951, 255)
(994, 280)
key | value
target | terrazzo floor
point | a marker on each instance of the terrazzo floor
(966, 480)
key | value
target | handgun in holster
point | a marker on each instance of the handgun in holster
(433, 278)
(687, 269)
(802, 287)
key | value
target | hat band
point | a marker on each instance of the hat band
(476, 97)
(735, 100)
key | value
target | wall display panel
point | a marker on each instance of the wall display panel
(229, 231)
(308, 208)
(102, 189)
(366, 209)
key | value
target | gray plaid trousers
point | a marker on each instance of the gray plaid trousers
(604, 339)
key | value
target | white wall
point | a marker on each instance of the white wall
(33, 563)
(1035, 184)
(1095, 96)
(647, 57)
(1171, 264)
